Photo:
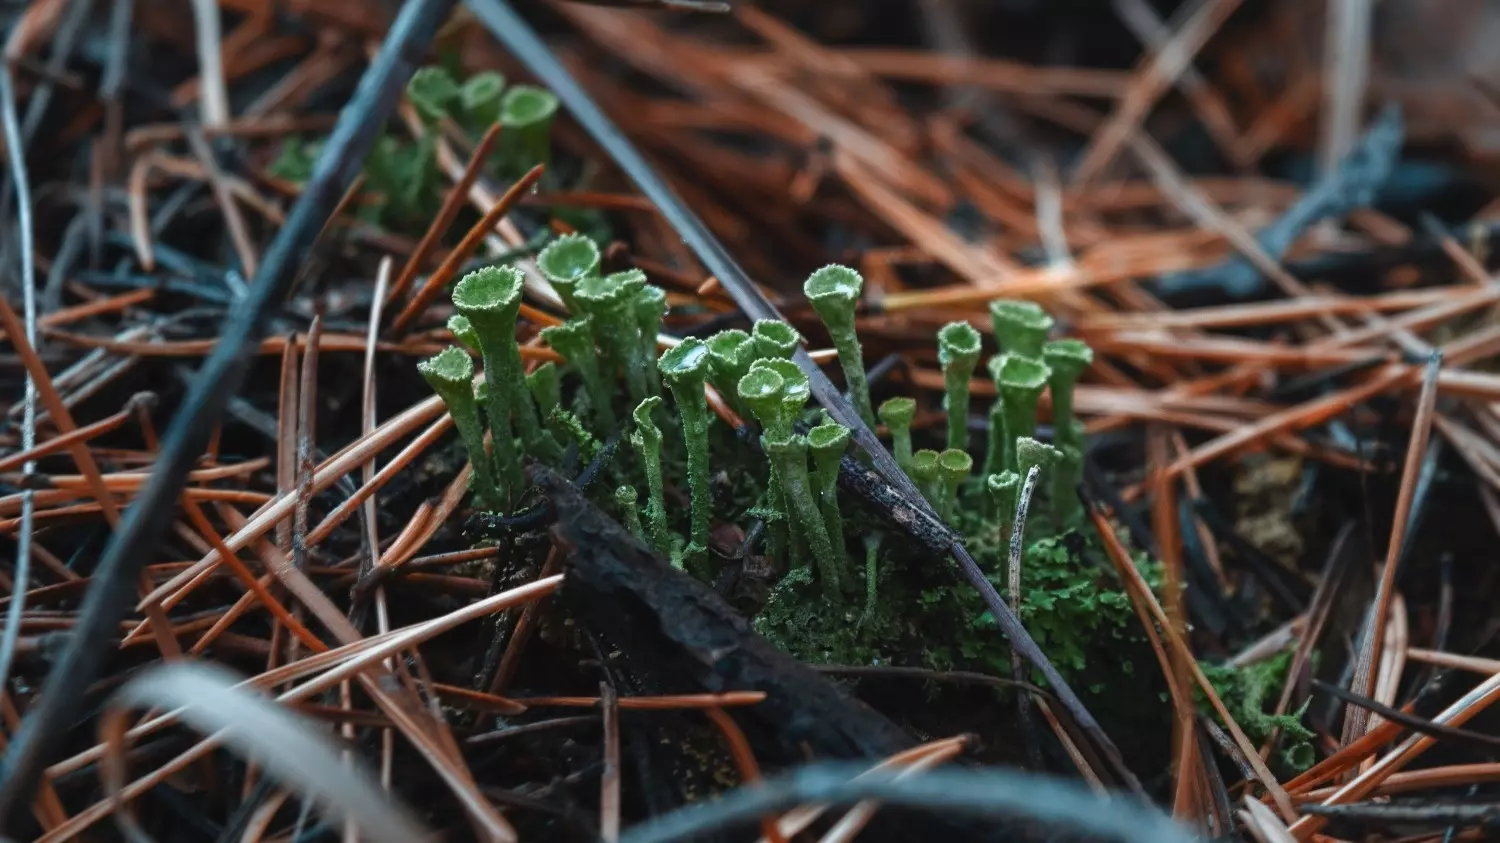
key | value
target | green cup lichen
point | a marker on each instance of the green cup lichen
(646, 438)
(958, 354)
(775, 339)
(1020, 326)
(574, 340)
(479, 98)
(451, 375)
(565, 262)
(834, 292)
(897, 414)
(685, 369)
(526, 112)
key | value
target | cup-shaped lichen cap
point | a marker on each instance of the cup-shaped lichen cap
(1014, 372)
(1068, 357)
(1003, 486)
(828, 437)
(955, 464)
(490, 297)
(1020, 326)
(432, 92)
(527, 105)
(607, 292)
(686, 363)
(572, 339)
(761, 390)
(774, 338)
(898, 412)
(833, 292)
(796, 390)
(569, 259)
(729, 353)
(479, 96)
(641, 415)
(924, 466)
(958, 342)
(463, 330)
(449, 369)
(1030, 452)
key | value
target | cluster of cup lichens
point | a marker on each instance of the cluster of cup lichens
(613, 335)
(1027, 366)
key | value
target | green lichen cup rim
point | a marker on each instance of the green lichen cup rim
(1031, 451)
(897, 411)
(828, 436)
(613, 289)
(760, 387)
(958, 341)
(641, 415)
(570, 257)
(1016, 372)
(481, 87)
(777, 334)
(1004, 481)
(1026, 315)
(432, 90)
(955, 462)
(490, 289)
(1068, 356)
(924, 465)
(796, 386)
(527, 105)
(450, 367)
(685, 362)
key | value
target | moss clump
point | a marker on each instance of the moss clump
(1247, 692)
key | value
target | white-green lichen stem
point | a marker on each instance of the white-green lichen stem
(958, 353)
(828, 442)
(625, 501)
(685, 369)
(490, 298)
(834, 292)
(574, 340)
(451, 375)
(1002, 489)
(646, 437)
(897, 414)
(791, 455)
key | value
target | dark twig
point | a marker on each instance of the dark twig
(1416, 724)
(108, 597)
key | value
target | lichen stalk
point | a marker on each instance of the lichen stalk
(827, 442)
(526, 112)
(625, 501)
(1002, 489)
(646, 438)
(795, 393)
(610, 301)
(545, 383)
(730, 353)
(954, 466)
(897, 414)
(451, 375)
(790, 454)
(1021, 381)
(1067, 358)
(834, 292)
(650, 307)
(490, 298)
(924, 468)
(761, 391)
(685, 369)
(958, 354)
(574, 340)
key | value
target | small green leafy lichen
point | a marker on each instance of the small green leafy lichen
(1246, 692)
